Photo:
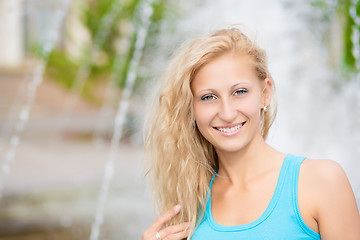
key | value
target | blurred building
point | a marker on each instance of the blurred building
(25, 25)
(11, 33)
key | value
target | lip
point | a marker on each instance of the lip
(228, 132)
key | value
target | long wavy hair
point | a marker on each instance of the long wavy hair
(182, 161)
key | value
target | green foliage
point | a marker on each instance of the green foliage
(62, 70)
(342, 11)
(325, 8)
(349, 60)
(159, 9)
(105, 35)
(93, 14)
(58, 61)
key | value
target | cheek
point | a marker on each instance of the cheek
(250, 107)
(203, 116)
(251, 111)
(200, 113)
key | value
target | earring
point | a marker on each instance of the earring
(266, 108)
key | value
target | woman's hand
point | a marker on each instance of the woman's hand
(157, 231)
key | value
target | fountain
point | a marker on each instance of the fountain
(312, 97)
(145, 14)
(32, 87)
(84, 70)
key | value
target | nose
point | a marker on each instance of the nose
(227, 110)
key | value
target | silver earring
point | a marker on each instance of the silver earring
(266, 108)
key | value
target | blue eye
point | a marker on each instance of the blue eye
(208, 97)
(240, 91)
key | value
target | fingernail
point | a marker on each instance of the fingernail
(187, 229)
(177, 208)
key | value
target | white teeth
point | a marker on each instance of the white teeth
(228, 130)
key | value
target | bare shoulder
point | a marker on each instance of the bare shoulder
(324, 179)
(323, 171)
(331, 199)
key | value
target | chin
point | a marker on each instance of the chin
(230, 148)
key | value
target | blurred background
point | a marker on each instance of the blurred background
(76, 77)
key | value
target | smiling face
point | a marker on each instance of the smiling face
(228, 98)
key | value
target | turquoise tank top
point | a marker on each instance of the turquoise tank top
(281, 219)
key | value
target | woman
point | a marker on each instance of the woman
(210, 160)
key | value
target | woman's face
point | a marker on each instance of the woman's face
(228, 97)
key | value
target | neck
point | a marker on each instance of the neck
(254, 159)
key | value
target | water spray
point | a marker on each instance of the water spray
(85, 69)
(145, 14)
(31, 92)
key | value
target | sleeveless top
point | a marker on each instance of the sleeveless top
(281, 219)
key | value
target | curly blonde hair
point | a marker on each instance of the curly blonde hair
(182, 161)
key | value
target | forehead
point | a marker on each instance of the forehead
(228, 69)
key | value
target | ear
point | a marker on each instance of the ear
(267, 94)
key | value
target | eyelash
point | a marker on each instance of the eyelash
(241, 90)
(237, 92)
(208, 97)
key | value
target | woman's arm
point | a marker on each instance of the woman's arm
(334, 204)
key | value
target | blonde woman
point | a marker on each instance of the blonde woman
(214, 176)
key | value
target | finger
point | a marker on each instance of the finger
(160, 221)
(178, 236)
(182, 227)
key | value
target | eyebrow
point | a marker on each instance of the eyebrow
(213, 90)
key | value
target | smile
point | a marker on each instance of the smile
(231, 129)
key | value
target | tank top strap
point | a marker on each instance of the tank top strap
(291, 178)
(293, 174)
(294, 167)
(289, 196)
(208, 195)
